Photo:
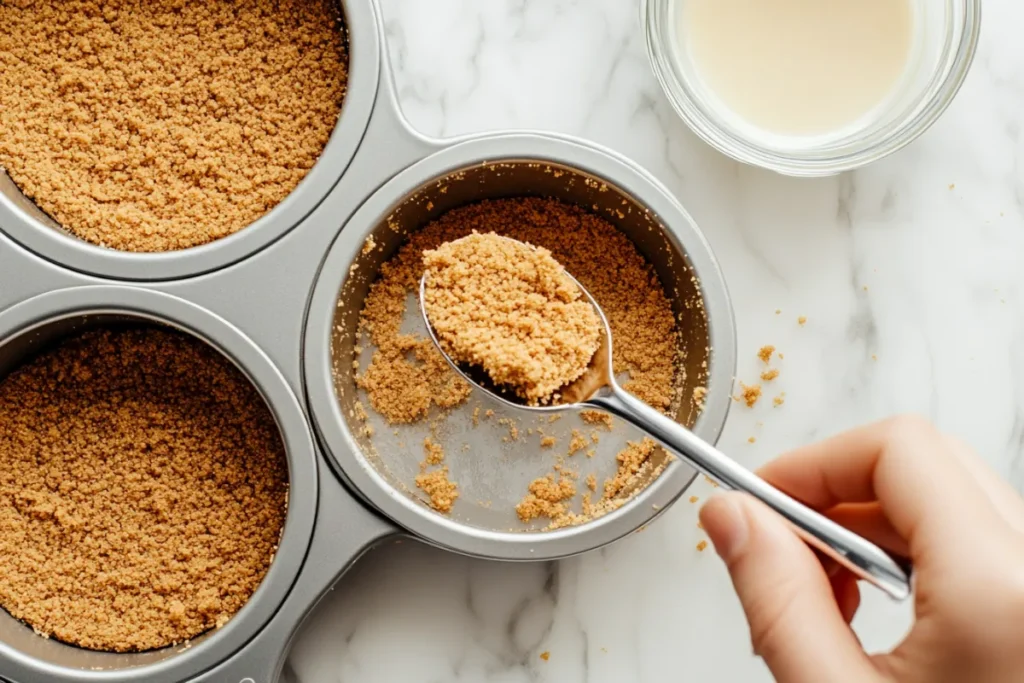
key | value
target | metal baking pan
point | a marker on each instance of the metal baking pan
(268, 298)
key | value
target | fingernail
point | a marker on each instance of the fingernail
(726, 523)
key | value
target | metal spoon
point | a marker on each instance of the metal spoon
(597, 388)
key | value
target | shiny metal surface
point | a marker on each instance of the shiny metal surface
(866, 560)
(597, 388)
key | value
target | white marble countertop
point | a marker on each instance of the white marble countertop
(909, 272)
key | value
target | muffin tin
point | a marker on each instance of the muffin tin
(268, 298)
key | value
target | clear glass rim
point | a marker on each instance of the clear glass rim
(825, 161)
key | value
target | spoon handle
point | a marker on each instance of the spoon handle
(865, 559)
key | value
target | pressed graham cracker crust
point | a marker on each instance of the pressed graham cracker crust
(143, 489)
(156, 125)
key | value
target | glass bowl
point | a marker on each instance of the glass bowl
(943, 46)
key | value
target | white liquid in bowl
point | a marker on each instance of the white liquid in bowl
(799, 67)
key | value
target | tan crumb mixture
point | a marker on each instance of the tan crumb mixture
(549, 497)
(694, 499)
(770, 374)
(752, 439)
(779, 400)
(545, 656)
(407, 375)
(510, 308)
(154, 125)
(434, 452)
(578, 442)
(765, 353)
(597, 417)
(749, 394)
(143, 488)
(513, 428)
(802, 320)
(443, 492)
(548, 442)
(701, 546)
(699, 394)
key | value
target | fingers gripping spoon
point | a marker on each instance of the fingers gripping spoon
(596, 388)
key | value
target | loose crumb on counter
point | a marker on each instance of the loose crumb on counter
(802, 320)
(750, 393)
(434, 452)
(765, 353)
(702, 546)
(548, 442)
(694, 499)
(779, 400)
(770, 374)
(752, 439)
(545, 656)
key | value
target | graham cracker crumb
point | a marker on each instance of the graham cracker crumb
(765, 353)
(442, 491)
(701, 546)
(699, 394)
(592, 482)
(548, 442)
(546, 498)
(694, 499)
(545, 656)
(749, 394)
(752, 439)
(597, 417)
(802, 320)
(369, 245)
(143, 489)
(577, 443)
(513, 429)
(770, 374)
(162, 125)
(510, 308)
(603, 259)
(779, 400)
(434, 452)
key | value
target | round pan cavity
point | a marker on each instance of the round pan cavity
(496, 166)
(37, 322)
(23, 221)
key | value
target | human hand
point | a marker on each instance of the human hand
(917, 493)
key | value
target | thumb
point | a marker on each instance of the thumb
(795, 624)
